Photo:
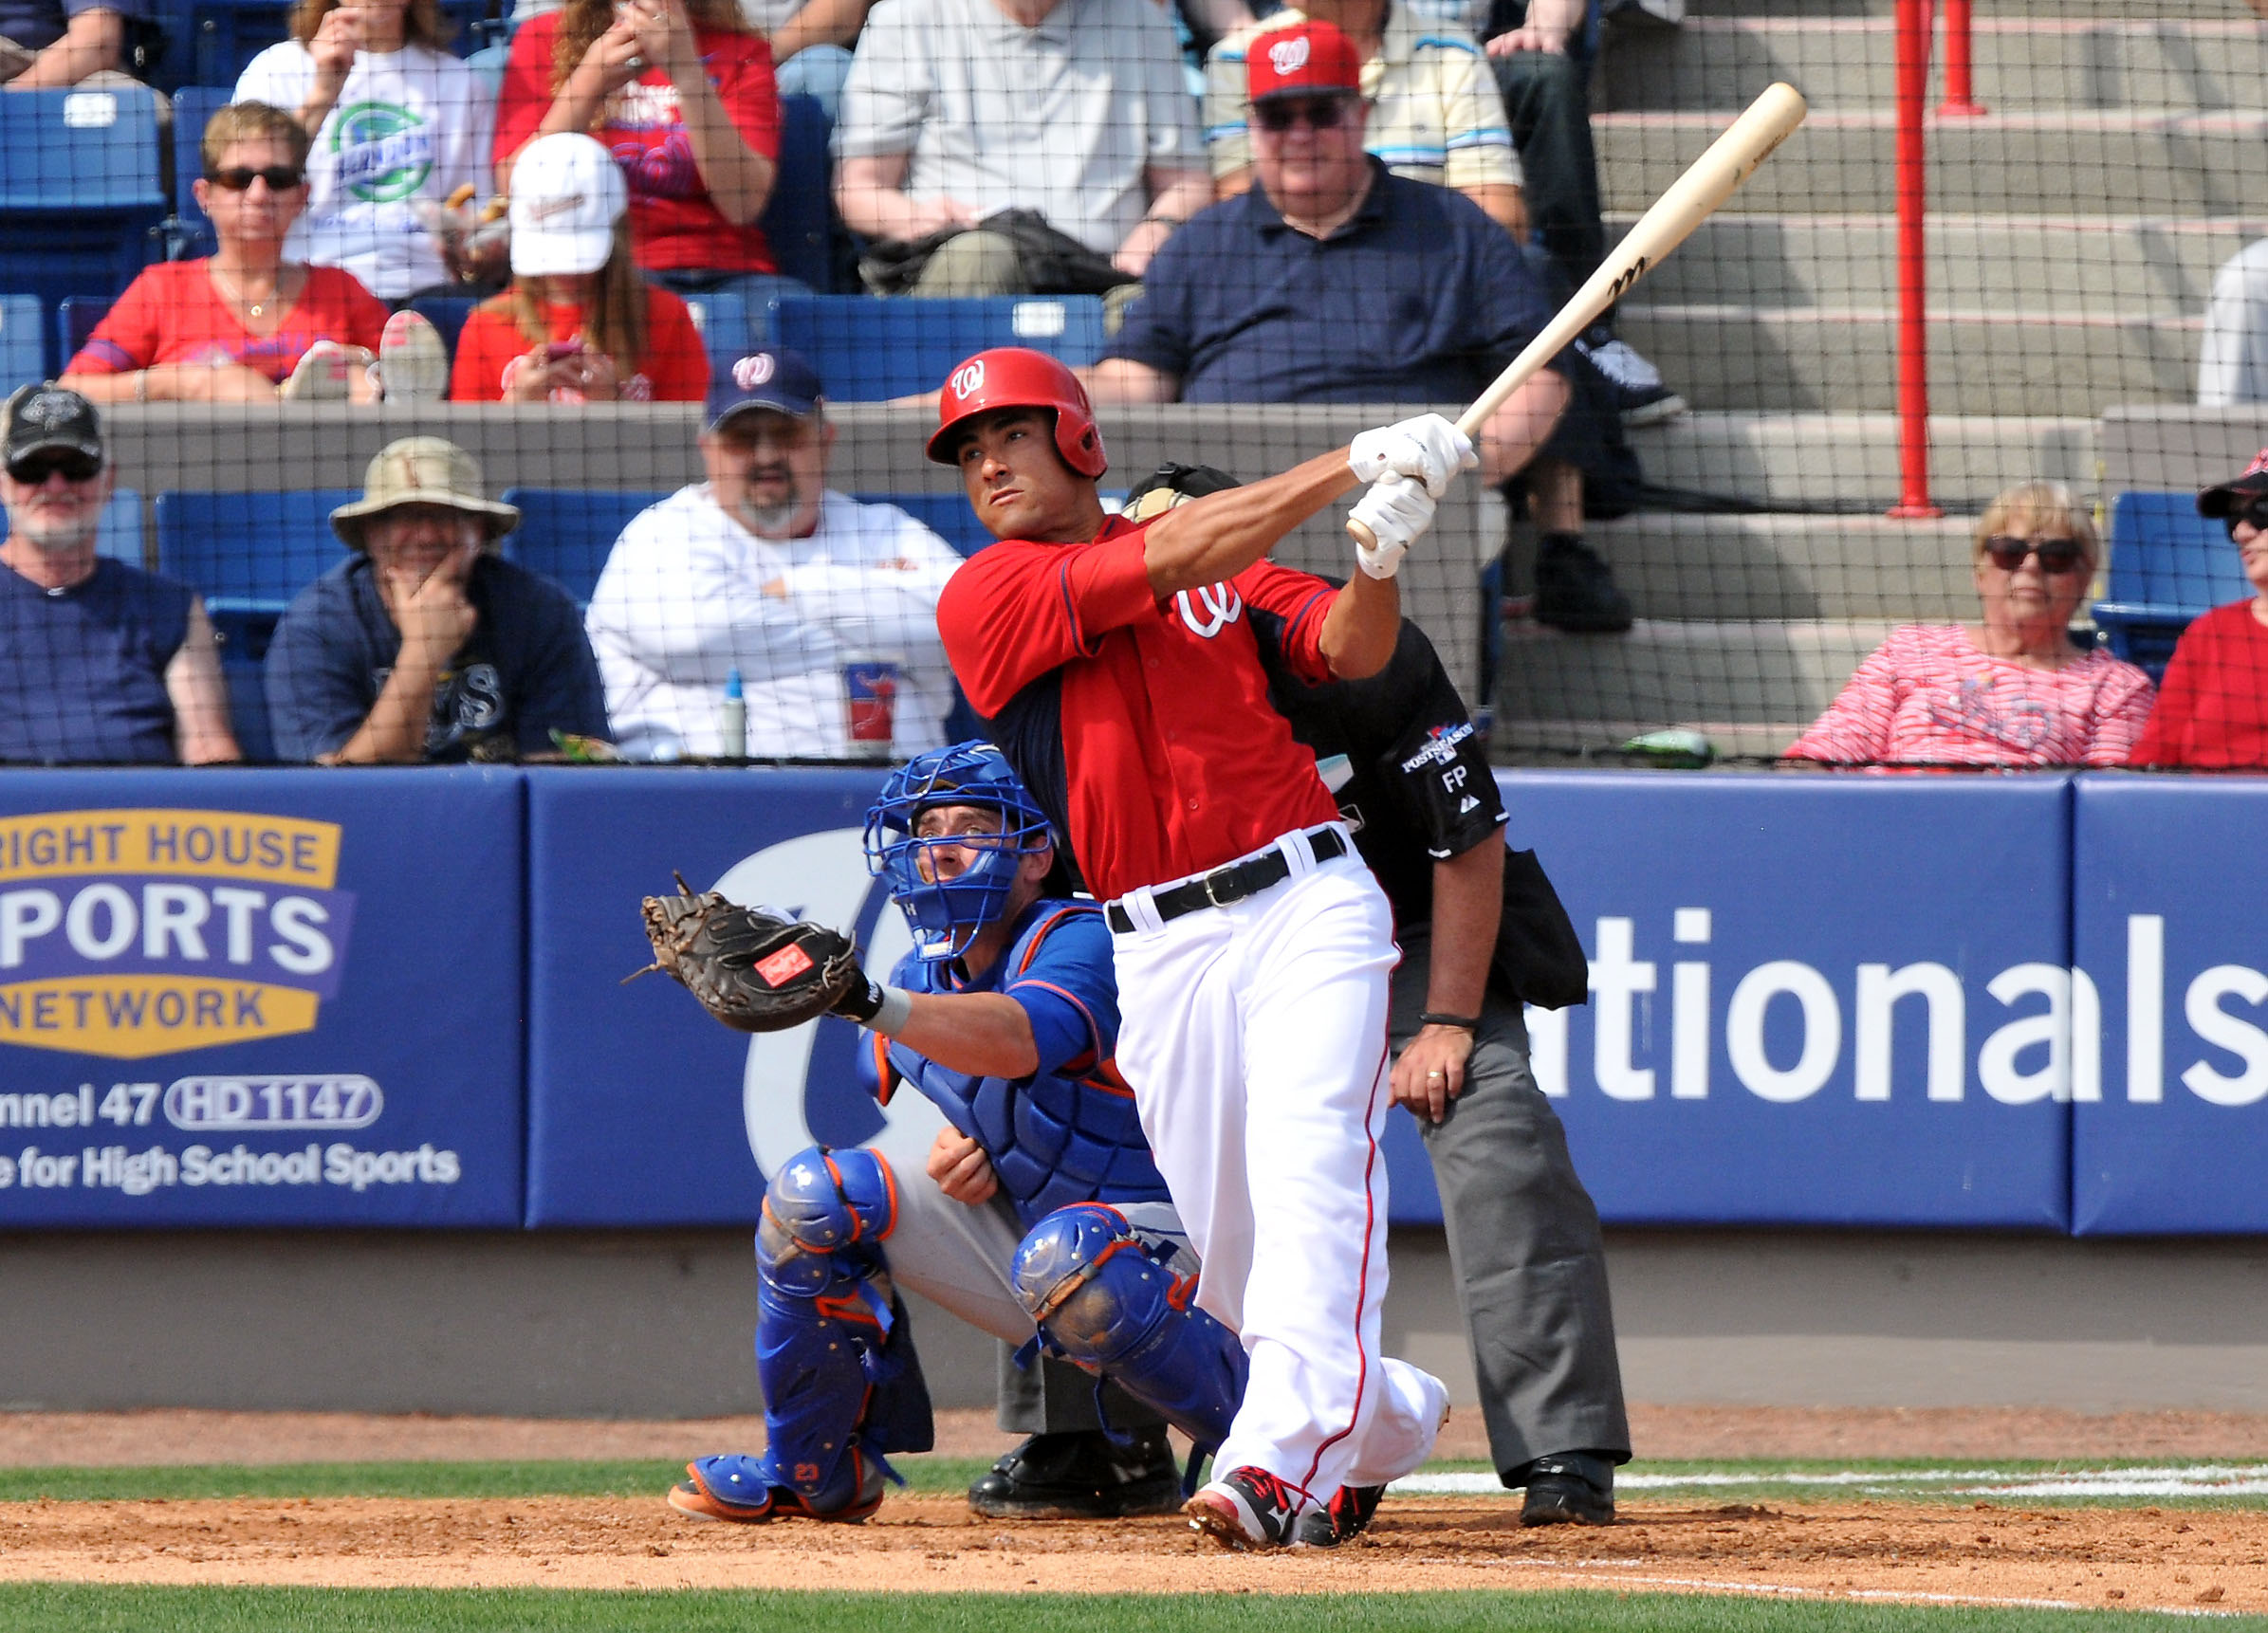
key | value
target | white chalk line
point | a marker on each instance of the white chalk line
(2196, 1481)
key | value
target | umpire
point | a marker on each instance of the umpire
(1402, 758)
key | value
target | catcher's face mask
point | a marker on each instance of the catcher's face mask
(948, 878)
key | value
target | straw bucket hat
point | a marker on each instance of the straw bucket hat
(422, 471)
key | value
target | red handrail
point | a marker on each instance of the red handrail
(1961, 91)
(1913, 333)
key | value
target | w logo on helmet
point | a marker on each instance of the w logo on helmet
(1288, 56)
(1222, 604)
(968, 379)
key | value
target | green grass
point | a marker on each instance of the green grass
(91, 1609)
(1719, 1481)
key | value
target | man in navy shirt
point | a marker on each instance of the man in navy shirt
(1334, 280)
(423, 646)
(100, 662)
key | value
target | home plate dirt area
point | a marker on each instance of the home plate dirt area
(1950, 1550)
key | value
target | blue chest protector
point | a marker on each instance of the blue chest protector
(1068, 1133)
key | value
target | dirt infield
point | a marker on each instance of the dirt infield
(2093, 1557)
(46, 1440)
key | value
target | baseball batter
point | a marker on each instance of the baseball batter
(1121, 677)
(1040, 1219)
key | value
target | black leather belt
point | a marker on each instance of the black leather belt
(1231, 884)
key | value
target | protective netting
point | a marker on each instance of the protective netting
(1680, 548)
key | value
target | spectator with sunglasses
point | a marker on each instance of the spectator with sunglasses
(244, 324)
(2212, 710)
(2011, 691)
(100, 663)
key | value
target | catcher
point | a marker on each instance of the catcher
(1040, 1219)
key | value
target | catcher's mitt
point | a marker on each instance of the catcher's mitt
(751, 968)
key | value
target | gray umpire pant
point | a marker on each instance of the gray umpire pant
(1525, 1243)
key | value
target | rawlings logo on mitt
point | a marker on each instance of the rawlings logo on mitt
(753, 969)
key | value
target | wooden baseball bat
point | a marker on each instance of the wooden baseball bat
(1707, 183)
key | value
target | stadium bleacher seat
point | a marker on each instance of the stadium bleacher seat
(189, 230)
(565, 533)
(947, 515)
(723, 319)
(797, 221)
(23, 358)
(119, 534)
(2168, 565)
(75, 319)
(80, 190)
(247, 553)
(868, 349)
(445, 313)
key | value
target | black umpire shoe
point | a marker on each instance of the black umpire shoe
(1568, 1488)
(1576, 590)
(1080, 1476)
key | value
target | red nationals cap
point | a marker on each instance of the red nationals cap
(1305, 59)
(2227, 498)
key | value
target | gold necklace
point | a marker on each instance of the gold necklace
(235, 292)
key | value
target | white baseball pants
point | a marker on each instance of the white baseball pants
(1254, 1036)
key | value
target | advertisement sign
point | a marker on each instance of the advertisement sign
(641, 1110)
(2169, 922)
(260, 998)
(1814, 1001)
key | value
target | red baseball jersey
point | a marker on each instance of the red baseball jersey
(1141, 727)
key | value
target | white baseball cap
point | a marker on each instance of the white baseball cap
(567, 193)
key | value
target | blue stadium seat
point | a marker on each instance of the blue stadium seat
(868, 349)
(119, 534)
(797, 220)
(947, 515)
(445, 313)
(2168, 565)
(248, 554)
(248, 705)
(80, 190)
(23, 356)
(76, 317)
(723, 319)
(565, 533)
(189, 230)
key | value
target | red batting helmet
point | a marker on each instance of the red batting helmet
(1015, 377)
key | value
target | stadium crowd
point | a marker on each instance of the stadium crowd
(1354, 201)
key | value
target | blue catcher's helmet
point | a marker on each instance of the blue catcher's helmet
(944, 913)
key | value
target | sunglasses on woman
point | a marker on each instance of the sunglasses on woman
(2255, 511)
(1316, 113)
(2055, 554)
(239, 178)
(33, 469)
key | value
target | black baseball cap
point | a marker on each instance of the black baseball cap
(40, 417)
(773, 378)
(2226, 498)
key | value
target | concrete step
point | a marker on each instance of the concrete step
(1670, 673)
(1748, 569)
(2018, 63)
(1981, 363)
(2104, 10)
(1787, 461)
(2131, 266)
(2132, 162)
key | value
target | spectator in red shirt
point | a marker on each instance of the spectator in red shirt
(243, 324)
(2213, 709)
(682, 92)
(577, 324)
(2011, 691)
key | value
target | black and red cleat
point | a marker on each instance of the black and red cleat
(1345, 1516)
(1245, 1507)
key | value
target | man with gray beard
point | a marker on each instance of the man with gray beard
(766, 574)
(100, 663)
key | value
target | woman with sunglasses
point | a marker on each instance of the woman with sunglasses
(397, 121)
(2010, 690)
(238, 325)
(2213, 709)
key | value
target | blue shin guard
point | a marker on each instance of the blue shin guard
(841, 1384)
(1103, 1302)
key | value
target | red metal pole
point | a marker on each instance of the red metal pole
(1913, 339)
(1961, 98)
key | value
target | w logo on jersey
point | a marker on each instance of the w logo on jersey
(1222, 606)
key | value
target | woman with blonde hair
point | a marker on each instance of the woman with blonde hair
(245, 323)
(395, 119)
(2010, 690)
(682, 92)
(577, 324)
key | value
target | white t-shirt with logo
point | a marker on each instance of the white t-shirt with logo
(689, 595)
(413, 124)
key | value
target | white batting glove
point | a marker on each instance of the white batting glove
(1397, 510)
(1427, 448)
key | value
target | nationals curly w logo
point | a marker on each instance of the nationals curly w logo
(1222, 605)
(966, 378)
